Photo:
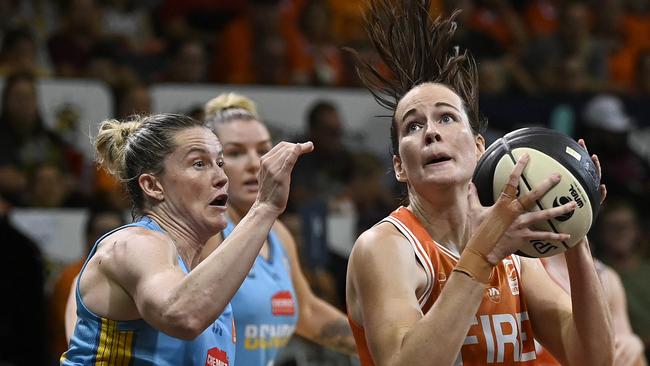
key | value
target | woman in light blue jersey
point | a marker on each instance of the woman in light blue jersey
(142, 297)
(275, 299)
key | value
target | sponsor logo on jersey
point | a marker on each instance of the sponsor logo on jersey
(267, 335)
(282, 304)
(511, 273)
(494, 295)
(442, 279)
(216, 357)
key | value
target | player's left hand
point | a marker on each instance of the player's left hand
(594, 158)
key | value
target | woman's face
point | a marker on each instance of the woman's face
(436, 143)
(244, 143)
(194, 184)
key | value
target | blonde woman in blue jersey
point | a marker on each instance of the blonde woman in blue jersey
(142, 297)
(275, 299)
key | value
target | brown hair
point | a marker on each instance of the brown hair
(417, 50)
(139, 145)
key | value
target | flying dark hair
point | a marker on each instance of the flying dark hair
(417, 49)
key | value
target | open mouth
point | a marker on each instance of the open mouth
(436, 159)
(251, 182)
(220, 200)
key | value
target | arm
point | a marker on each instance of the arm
(577, 329)
(318, 321)
(383, 282)
(145, 265)
(71, 310)
(629, 347)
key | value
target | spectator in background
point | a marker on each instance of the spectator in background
(606, 127)
(624, 27)
(25, 141)
(19, 53)
(49, 186)
(261, 46)
(323, 57)
(98, 223)
(317, 175)
(618, 242)
(320, 190)
(129, 22)
(570, 50)
(133, 98)
(71, 46)
(22, 334)
(187, 62)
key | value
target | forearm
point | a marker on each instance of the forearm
(438, 337)
(590, 335)
(209, 287)
(322, 323)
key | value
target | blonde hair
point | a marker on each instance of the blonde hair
(228, 107)
(127, 149)
(110, 144)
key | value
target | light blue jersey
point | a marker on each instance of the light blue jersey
(101, 341)
(265, 307)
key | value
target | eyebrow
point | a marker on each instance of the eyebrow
(437, 104)
(202, 151)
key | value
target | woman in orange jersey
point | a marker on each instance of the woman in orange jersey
(435, 283)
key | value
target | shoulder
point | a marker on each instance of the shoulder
(133, 245)
(378, 245)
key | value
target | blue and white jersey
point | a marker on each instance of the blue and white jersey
(100, 341)
(265, 306)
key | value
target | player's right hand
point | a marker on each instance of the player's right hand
(508, 223)
(275, 173)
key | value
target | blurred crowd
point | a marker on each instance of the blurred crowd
(523, 46)
(533, 48)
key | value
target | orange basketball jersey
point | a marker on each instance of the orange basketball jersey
(500, 333)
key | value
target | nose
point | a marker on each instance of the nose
(253, 161)
(220, 178)
(431, 134)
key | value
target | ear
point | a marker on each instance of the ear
(480, 145)
(151, 186)
(400, 174)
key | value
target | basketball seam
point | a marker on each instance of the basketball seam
(537, 202)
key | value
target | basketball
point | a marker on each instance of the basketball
(550, 152)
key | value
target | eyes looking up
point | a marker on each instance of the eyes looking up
(416, 123)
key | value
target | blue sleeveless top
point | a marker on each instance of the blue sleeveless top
(101, 341)
(265, 306)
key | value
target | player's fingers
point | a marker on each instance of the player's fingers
(545, 235)
(547, 214)
(603, 193)
(582, 143)
(510, 189)
(528, 200)
(596, 161)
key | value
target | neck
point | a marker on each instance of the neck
(189, 243)
(445, 216)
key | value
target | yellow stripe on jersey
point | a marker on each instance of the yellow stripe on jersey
(115, 347)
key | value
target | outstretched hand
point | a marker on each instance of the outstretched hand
(507, 225)
(275, 173)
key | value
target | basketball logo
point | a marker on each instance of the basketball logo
(559, 201)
